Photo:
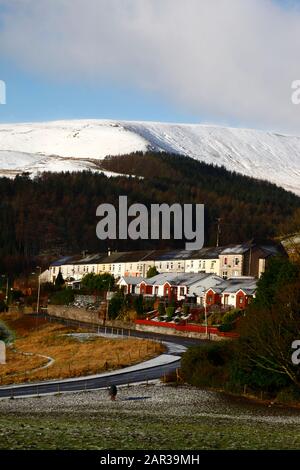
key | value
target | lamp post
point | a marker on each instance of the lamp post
(39, 290)
(206, 325)
(107, 304)
(205, 315)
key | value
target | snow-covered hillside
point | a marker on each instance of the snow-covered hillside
(77, 145)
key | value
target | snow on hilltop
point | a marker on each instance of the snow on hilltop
(78, 145)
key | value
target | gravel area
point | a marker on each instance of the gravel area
(147, 417)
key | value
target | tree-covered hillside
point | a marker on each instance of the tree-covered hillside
(55, 214)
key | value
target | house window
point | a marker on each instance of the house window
(241, 300)
(179, 265)
(119, 267)
(212, 265)
(130, 267)
(167, 265)
(200, 264)
(192, 264)
(53, 270)
(182, 291)
(203, 264)
(236, 261)
(171, 265)
(93, 269)
(159, 265)
(109, 267)
(209, 299)
(187, 290)
(224, 275)
(225, 261)
(156, 290)
(235, 273)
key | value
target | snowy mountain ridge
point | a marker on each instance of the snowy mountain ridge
(78, 145)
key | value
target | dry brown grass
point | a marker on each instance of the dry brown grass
(72, 357)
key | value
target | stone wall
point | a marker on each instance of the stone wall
(85, 316)
(170, 331)
(89, 316)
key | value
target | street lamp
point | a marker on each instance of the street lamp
(205, 313)
(39, 289)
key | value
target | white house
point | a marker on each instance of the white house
(130, 284)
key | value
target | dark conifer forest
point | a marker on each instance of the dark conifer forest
(55, 213)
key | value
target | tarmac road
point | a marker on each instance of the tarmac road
(103, 381)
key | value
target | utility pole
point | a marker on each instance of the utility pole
(39, 290)
(107, 304)
(205, 316)
(218, 230)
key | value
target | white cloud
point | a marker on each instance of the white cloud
(230, 60)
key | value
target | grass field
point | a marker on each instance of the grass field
(72, 358)
(146, 417)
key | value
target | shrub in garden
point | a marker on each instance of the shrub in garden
(62, 297)
(229, 320)
(170, 312)
(138, 305)
(115, 306)
(161, 309)
(186, 310)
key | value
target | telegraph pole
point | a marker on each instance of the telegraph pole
(218, 230)
(39, 290)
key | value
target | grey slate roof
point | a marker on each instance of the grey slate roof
(233, 285)
(131, 280)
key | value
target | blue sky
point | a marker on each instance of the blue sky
(34, 98)
(220, 61)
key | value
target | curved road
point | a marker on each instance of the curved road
(120, 378)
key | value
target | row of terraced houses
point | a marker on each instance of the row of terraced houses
(226, 275)
(246, 259)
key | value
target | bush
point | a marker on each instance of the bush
(138, 305)
(226, 327)
(170, 312)
(161, 309)
(215, 318)
(62, 297)
(207, 365)
(231, 316)
(6, 334)
(148, 304)
(152, 271)
(98, 282)
(115, 306)
(186, 310)
(229, 320)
